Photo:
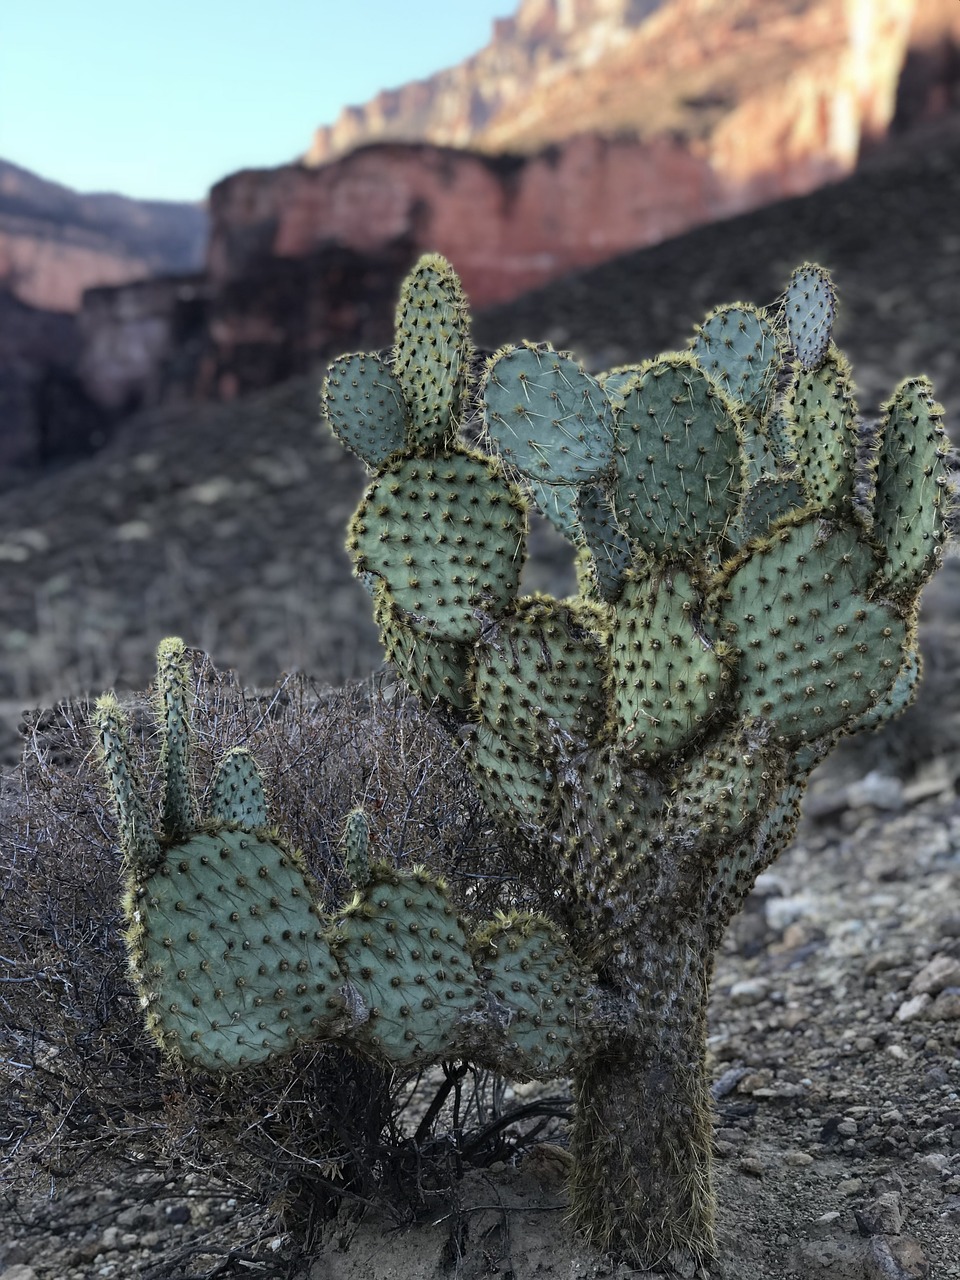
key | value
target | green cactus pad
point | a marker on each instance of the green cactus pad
(722, 791)
(138, 841)
(809, 310)
(228, 952)
(546, 416)
(911, 505)
(900, 696)
(669, 673)
(355, 847)
(815, 653)
(768, 500)
(558, 504)
(609, 549)
(514, 787)
(431, 359)
(528, 965)
(823, 416)
(541, 676)
(236, 792)
(173, 713)
(431, 668)
(779, 434)
(405, 953)
(364, 405)
(738, 347)
(679, 463)
(447, 535)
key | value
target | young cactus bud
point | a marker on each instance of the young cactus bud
(355, 843)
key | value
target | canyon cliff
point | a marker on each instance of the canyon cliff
(55, 243)
(585, 129)
(746, 82)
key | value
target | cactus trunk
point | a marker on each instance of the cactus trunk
(641, 1184)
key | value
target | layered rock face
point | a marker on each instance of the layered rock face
(816, 77)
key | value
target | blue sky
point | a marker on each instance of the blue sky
(160, 100)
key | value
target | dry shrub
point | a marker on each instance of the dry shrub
(84, 1089)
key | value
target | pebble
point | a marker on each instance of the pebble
(749, 991)
(942, 971)
(914, 1008)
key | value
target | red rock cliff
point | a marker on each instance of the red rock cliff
(687, 67)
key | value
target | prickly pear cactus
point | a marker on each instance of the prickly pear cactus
(236, 963)
(750, 555)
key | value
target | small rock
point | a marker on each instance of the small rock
(781, 912)
(826, 1225)
(749, 991)
(798, 1159)
(946, 1007)
(110, 1238)
(882, 1216)
(19, 1272)
(932, 1165)
(833, 1259)
(912, 1009)
(899, 1258)
(753, 1166)
(940, 972)
(878, 790)
(850, 1186)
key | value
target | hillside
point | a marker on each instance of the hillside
(55, 242)
(225, 523)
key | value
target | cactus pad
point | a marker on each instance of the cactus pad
(515, 787)
(546, 416)
(405, 953)
(608, 547)
(738, 347)
(530, 968)
(910, 504)
(446, 534)
(809, 309)
(815, 653)
(823, 415)
(228, 951)
(669, 673)
(679, 463)
(364, 405)
(430, 667)
(431, 357)
(541, 676)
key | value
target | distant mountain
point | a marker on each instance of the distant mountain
(55, 242)
(729, 76)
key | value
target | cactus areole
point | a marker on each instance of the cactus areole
(750, 557)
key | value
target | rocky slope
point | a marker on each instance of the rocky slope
(54, 242)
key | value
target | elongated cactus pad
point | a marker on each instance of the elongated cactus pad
(669, 672)
(432, 353)
(810, 307)
(910, 502)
